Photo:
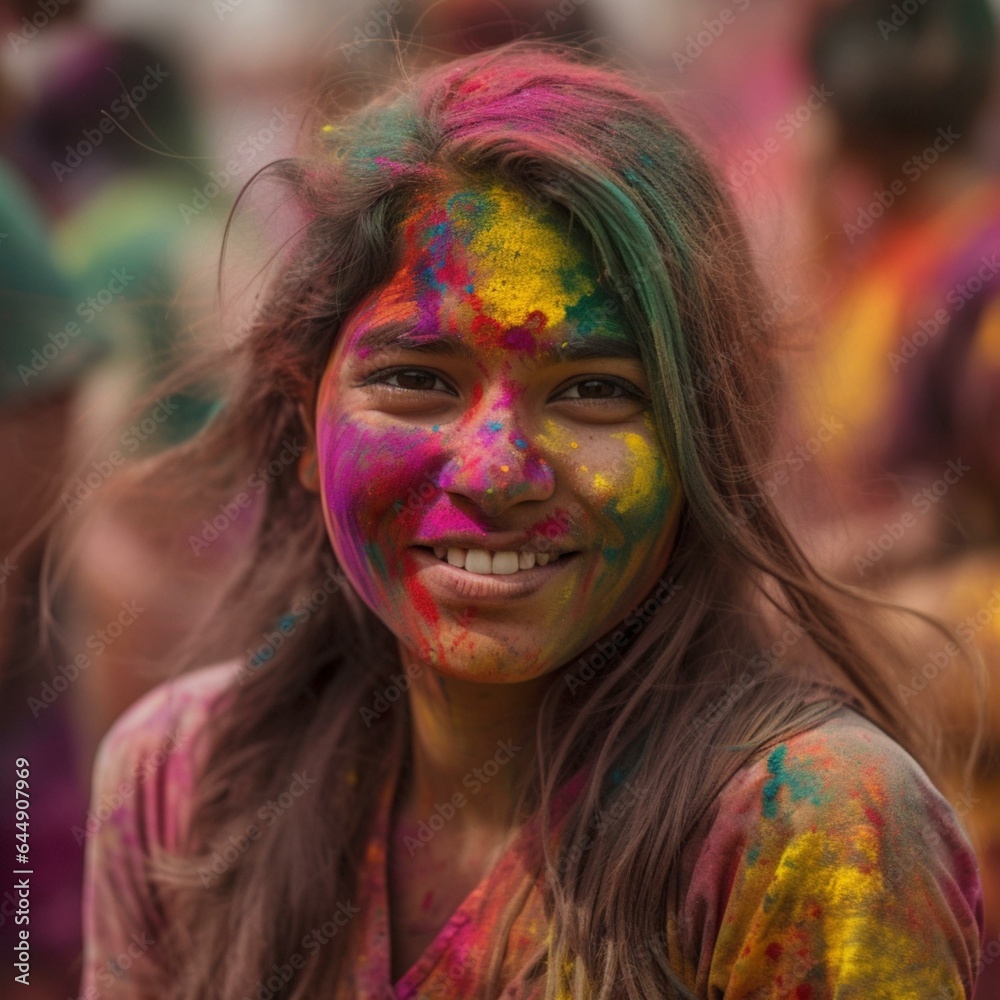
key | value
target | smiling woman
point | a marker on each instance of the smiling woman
(537, 403)
(570, 723)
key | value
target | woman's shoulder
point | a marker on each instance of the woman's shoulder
(834, 844)
(845, 769)
(149, 756)
(170, 714)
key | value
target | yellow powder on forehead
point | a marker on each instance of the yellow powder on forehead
(528, 263)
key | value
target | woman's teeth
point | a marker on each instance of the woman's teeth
(486, 563)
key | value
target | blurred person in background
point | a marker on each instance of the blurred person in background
(463, 27)
(91, 321)
(902, 407)
(45, 353)
(110, 140)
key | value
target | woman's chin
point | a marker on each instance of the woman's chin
(497, 655)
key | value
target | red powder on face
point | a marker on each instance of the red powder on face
(421, 599)
(485, 327)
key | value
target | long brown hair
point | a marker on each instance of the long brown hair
(700, 690)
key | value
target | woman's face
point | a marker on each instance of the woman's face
(491, 477)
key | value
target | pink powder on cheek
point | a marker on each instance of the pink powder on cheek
(370, 474)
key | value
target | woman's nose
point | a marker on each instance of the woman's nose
(494, 464)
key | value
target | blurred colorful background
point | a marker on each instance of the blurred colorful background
(859, 137)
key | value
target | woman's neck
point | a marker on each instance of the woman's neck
(471, 745)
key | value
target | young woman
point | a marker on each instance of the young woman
(539, 697)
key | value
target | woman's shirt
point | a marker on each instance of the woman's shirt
(830, 868)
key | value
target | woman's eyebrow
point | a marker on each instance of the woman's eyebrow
(398, 335)
(402, 335)
(597, 345)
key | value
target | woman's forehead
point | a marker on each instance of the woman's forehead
(489, 264)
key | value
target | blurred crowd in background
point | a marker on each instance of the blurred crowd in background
(859, 137)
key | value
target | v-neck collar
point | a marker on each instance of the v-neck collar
(373, 962)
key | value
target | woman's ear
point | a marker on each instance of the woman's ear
(308, 461)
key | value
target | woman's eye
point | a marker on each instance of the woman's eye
(408, 378)
(600, 388)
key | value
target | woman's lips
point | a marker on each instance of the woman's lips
(452, 581)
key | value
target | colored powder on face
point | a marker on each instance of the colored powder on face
(800, 783)
(374, 554)
(522, 338)
(422, 600)
(533, 270)
(490, 267)
(646, 473)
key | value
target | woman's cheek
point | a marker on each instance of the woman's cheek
(370, 477)
(630, 485)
